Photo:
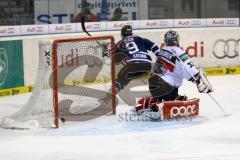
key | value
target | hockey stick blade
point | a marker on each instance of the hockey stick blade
(104, 46)
(83, 20)
(105, 54)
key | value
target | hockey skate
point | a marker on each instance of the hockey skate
(147, 107)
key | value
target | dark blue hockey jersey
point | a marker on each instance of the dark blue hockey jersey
(136, 48)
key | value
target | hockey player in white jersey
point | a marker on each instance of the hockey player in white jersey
(171, 67)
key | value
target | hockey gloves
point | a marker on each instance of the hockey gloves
(203, 87)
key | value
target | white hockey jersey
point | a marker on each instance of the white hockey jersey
(176, 65)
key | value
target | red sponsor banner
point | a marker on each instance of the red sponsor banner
(9, 31)
(218, 22)
(34, 29)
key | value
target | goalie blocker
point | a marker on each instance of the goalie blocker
(167, 109)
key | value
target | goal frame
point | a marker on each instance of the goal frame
(55, 71)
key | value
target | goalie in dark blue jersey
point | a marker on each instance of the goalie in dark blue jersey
(133, 52)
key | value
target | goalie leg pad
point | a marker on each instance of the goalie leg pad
(180, 109)
(145, 104)
(166, 110)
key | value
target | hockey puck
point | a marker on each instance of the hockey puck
(62, 119)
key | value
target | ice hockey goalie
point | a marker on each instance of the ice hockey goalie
(171, 68)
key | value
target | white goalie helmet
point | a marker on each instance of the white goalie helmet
(171, 38)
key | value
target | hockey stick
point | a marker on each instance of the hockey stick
(83, 19)
(209, 84)
(216, 102)
(203, 74)
(104, 46)
(105, 52)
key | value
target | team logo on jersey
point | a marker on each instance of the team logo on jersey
(3, 65)
(183, 57)
(168, 55)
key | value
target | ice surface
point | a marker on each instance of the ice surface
(211, 136)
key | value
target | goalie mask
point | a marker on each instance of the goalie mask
(126, 31)
(171, 38)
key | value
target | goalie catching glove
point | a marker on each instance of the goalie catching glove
(203, 87)
(202, 83)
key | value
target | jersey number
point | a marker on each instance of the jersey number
(190, 64)
(132, 47)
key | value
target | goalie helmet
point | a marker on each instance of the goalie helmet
(171, 38)
(126, 31)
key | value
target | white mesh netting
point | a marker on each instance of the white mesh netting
(84, 78)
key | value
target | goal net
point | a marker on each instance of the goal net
(74, 83)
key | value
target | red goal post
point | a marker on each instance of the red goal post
(74, 82)
(55, 66)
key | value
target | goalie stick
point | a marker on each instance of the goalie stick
(203, 75)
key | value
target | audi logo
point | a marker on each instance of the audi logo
(226, 48)
(183, 111)
(196, 22)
